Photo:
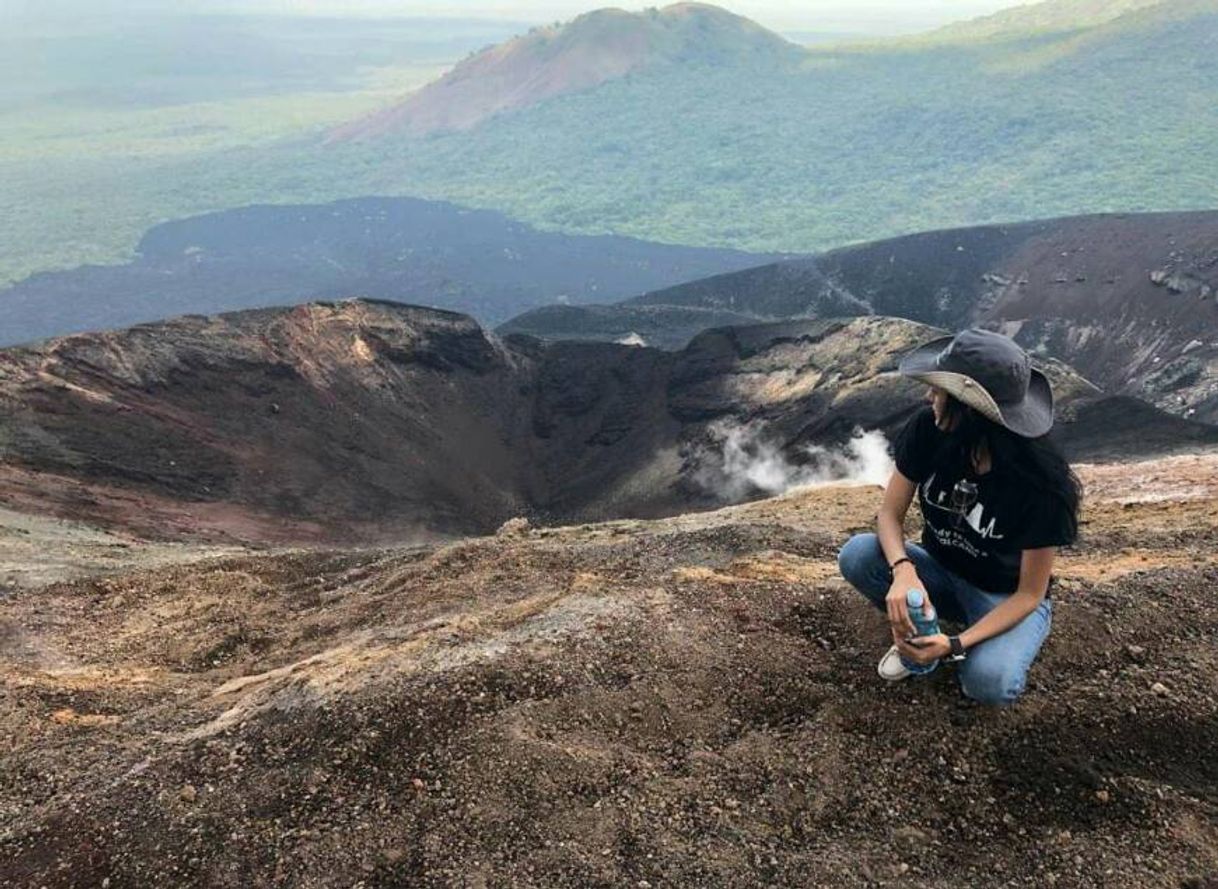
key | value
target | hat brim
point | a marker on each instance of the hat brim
(1030, 417)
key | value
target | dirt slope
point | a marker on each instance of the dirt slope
(688, 701)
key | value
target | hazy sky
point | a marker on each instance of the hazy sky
(856, 16)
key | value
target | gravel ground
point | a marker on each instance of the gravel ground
(683, 702)
(38, 550)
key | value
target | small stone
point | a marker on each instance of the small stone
(188, 794)
(1160, 689)
(1137, 652)
(911, 839)
(514, 527)
(418, 784)
(1102, 796)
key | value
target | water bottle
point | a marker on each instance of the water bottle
(925, 621)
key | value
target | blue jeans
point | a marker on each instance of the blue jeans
(996, 670)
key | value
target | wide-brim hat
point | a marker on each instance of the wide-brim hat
(988, 372)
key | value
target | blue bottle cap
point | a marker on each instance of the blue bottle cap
(914, 598)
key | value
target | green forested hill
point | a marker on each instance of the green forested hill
(1058, 15)
(856, 143)
(844, 145)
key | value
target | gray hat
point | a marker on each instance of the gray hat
(988, 372)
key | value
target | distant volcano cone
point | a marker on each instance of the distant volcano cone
(590, 50)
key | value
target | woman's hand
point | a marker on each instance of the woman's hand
(904, 579)
(927, 649)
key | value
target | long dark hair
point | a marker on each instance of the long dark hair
(1037, 463)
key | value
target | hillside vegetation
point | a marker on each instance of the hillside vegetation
(853, 143)
(799, 150)
(1029, 18)
(595, 48)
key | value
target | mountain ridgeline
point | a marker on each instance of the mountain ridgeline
(1041, 18)
(1130, 301)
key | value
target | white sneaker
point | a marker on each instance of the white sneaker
(891, 667)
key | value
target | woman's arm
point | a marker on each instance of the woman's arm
(890, 520)
(1035, 567)
(890, 529)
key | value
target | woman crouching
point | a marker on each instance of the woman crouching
(997, 498)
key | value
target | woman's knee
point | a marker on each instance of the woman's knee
(994, 684)
(856, 554)
(858, 560)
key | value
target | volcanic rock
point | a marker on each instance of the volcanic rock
(1075, 288)
(403, 249)
(372, 421)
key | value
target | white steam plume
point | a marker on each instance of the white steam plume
(741, 460)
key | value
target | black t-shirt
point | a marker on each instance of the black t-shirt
(981, 539)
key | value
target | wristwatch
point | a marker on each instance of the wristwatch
(958, 652)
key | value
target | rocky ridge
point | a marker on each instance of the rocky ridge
(1127, 299)
(369, 421)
